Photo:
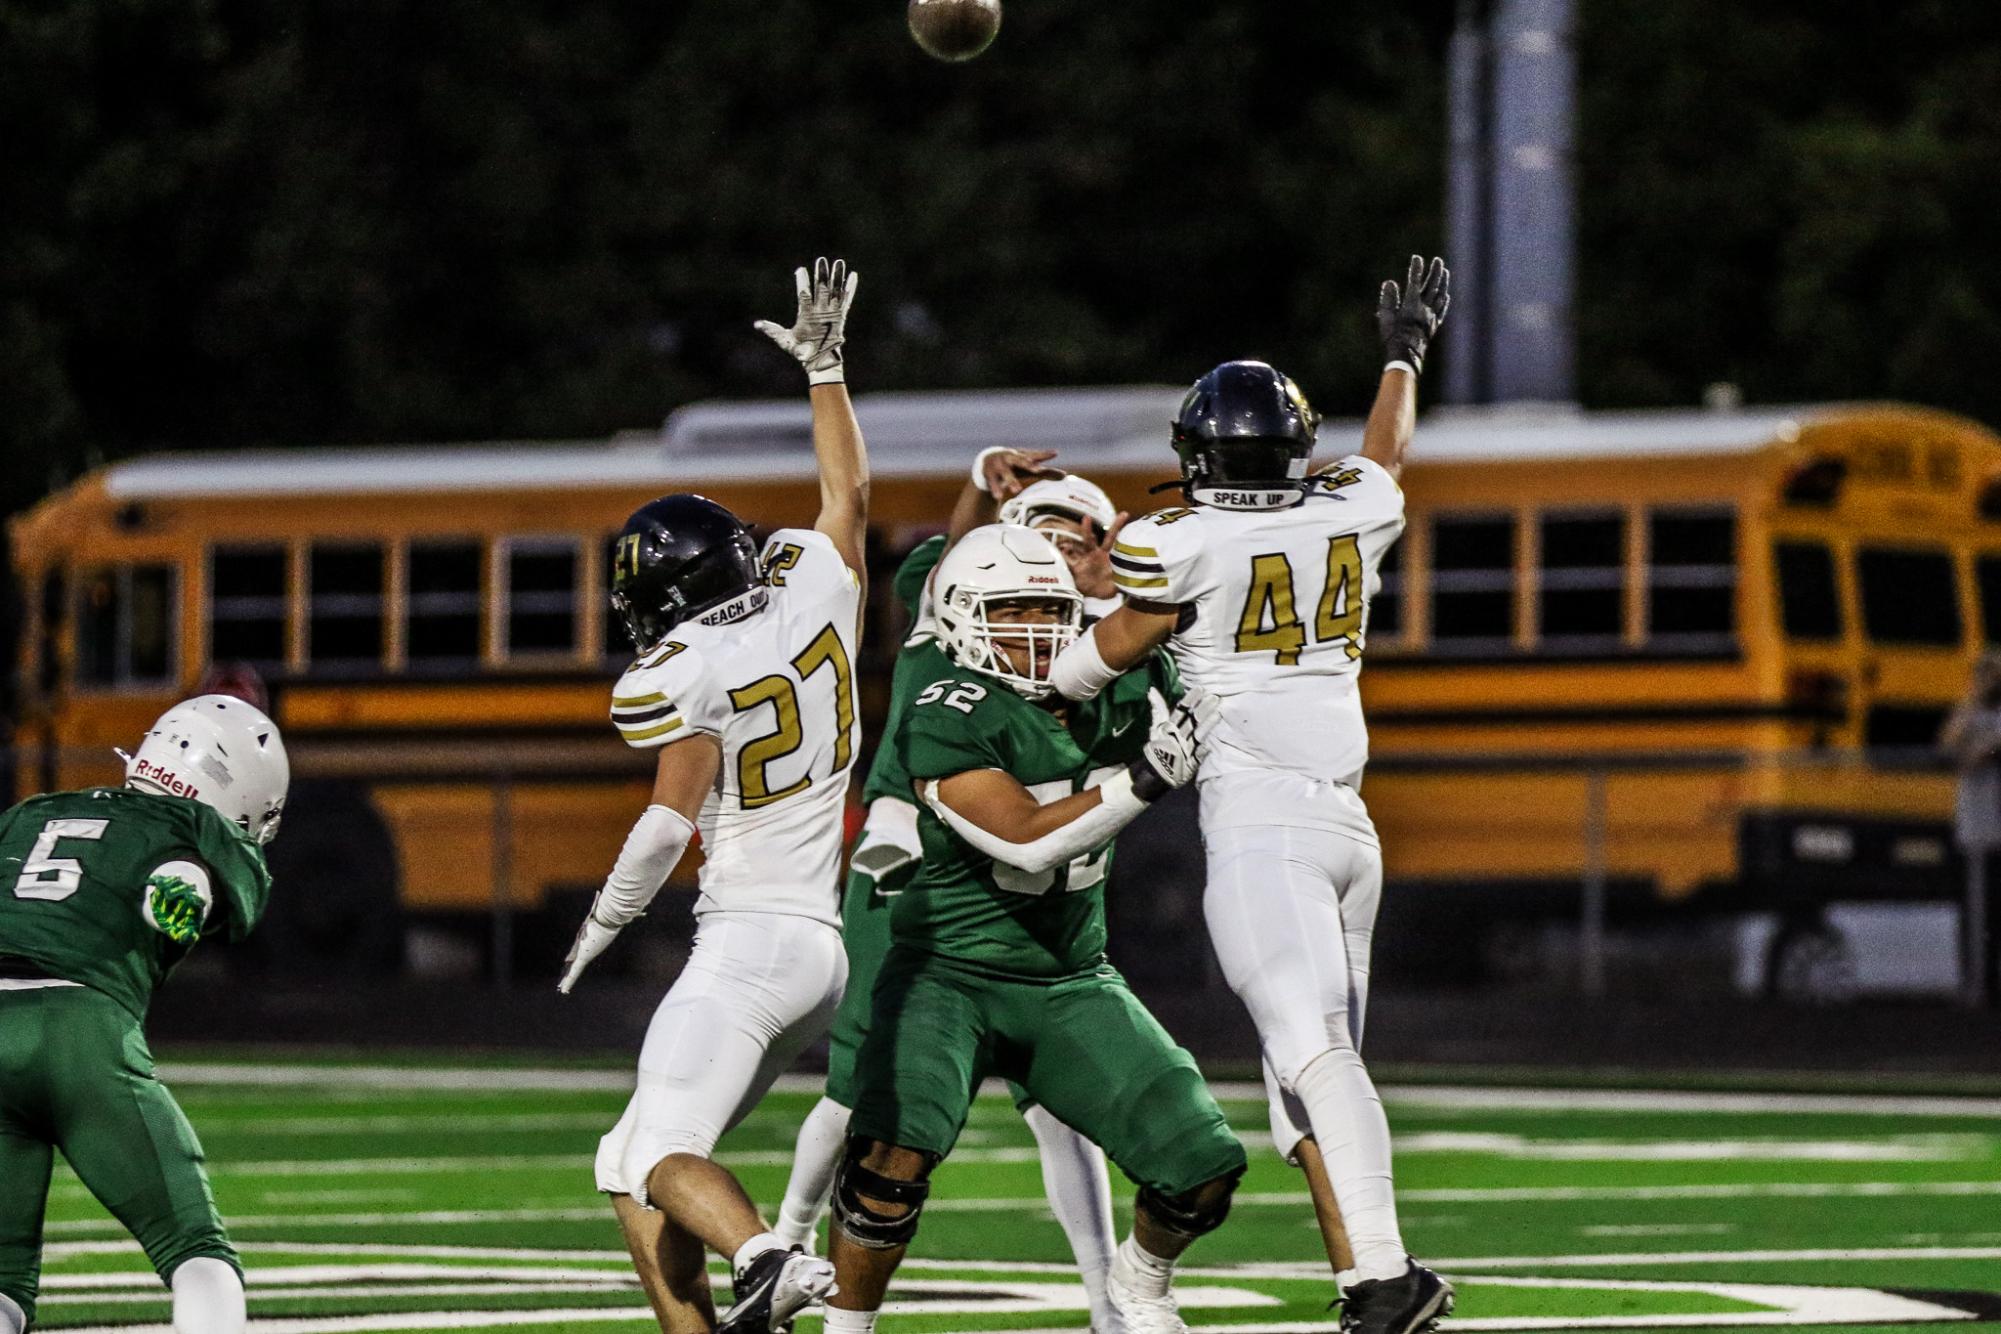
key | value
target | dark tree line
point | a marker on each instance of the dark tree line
(280, 221)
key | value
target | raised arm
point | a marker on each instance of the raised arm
(815, 341)
(992, 811)
(1407, 317)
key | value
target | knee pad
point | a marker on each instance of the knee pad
(1185, 1215)
(865, 1225)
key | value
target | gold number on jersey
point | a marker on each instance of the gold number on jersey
(1340, 614)
(757, 755)
(1172, 514)
(781, 560)
(1270, 598)
(1270, 620)
(752, 762)
(826, 650)
(664, 652)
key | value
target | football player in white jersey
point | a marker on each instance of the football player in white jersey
(745, 685)
(1260, 588)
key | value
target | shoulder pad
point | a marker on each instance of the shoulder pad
(665, 696)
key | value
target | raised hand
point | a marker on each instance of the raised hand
(1004, 471)
(819, 329)
(1407, 317)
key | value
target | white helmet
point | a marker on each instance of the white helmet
(1070, 496)
(996, 564)
(220, 751)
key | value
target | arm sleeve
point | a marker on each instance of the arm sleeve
(651, 852)
(667, 696)
(1117, 805)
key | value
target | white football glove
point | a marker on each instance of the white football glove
(592, 937)
(1175, 743)
(817, 333)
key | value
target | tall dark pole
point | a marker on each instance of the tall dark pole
(1510, 208)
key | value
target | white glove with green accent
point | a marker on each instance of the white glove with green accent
(818, 331)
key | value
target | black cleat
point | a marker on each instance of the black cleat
(1410, 1303)
(773, 1288)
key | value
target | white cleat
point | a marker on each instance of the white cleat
(776, 1286)
(1142, 1314)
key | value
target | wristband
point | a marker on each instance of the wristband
(1399, 364)
(980, 468)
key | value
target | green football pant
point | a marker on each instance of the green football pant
(1082, 1046)
(865, 932)
(76, 1075)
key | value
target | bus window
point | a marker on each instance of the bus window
(1809, 607)
(441, 608)
(1691, 581)
(1386, 607)
(1473, 584)
(1580, 600)
(344, 608)
(247, 605)
(541, 596)
(1988, 570)
(125, 626)
(1909, 597)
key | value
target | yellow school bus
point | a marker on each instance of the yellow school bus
(1748, 622)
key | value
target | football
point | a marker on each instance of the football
(954, 30)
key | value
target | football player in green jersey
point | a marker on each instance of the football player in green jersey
(997, 963)
(887, 852)
(102, 893)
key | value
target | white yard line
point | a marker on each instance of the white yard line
(1004, 1298)
(1636, 1258)
(84, 1227)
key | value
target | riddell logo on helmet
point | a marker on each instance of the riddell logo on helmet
(1043, 579)
(164, 778)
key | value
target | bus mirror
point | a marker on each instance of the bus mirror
(1815, 483)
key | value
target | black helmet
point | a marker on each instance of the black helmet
(677, 557)
(1244, 427)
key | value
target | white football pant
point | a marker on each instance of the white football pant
(758, 989)
(1291, 912)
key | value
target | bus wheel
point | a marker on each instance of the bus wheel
(1810, 963)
